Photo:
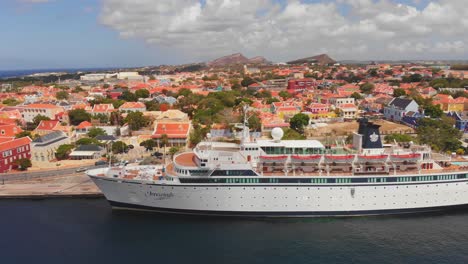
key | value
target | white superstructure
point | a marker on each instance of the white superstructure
(290, 178)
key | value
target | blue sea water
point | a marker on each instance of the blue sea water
(20, 73)
(88, 231)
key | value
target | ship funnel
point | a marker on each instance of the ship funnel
(370, 134)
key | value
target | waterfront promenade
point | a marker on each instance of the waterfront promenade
(65, 182)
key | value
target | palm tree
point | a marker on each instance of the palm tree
(164, 142)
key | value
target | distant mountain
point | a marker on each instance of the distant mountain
(258, 60)
(322, 59)
(236, 58)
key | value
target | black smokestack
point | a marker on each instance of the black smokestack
(370, 134)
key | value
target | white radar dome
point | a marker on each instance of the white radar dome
(277, 133)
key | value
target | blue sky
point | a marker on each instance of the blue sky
(66, 34)
(113, 33)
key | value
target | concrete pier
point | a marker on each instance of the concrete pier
(74, 185)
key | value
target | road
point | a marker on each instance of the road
(25, 176)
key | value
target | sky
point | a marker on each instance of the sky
(38, 34)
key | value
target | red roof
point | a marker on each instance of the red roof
(172, 130)
(47, 124)
(9, 130)
(84, 124)
(14, 143)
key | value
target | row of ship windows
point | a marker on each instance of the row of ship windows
(325, 180)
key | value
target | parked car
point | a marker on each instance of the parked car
(100, 163)
(80, 169)
(157, 154)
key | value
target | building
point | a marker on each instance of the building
(29, 112)
(48, 126)
(399, 107)
(9, 130)
(297, 85)
(348, 111)
(339, 101)
(43, 148)
(133, 107)
(12, 150)
(177, 132)
(102, 109)
(87, 152)
(461, 120)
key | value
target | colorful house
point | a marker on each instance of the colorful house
(12, 150)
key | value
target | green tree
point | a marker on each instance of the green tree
(398, 138)
(62, 95)
(291, 134)
(440, 134)
(63, 151)
(367, 88)
(247, 81)
(142, 93)
(433, 111)
(37, 119)
(399, 92)
(24, 134)
(103, 118)
(299, 121)
(116, 118)
(255, 124)
(96, 131)
(87, 141)
(173, 151)
(149, 144)
(119, 147)
(136, 120)
(285, 95)
(11, 102)
(128, 96)
(356, 96)
(152, 106)
(77, 116)
(23, 164)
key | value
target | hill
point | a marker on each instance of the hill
(322, 59)
(236, 58)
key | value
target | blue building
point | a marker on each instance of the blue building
(461, 120)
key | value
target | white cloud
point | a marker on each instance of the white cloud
(281, 31)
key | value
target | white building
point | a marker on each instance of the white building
(43, 148)
(29, 112)
(94, 77)
(399, 107)
(339, 101)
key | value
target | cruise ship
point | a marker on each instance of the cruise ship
(291, 178)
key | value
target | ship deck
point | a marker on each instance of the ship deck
(186, 159)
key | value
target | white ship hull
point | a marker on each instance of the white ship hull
(286, 200)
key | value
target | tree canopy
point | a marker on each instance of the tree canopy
(96, 131)
(433, 111)
(399, 92)
(142, 93)
(149, 144)
(78, 115)
(62, 95)
(119, 147)
(439, 134)
(136, 120)
(298, 122)
(63, 151)
(367, 88)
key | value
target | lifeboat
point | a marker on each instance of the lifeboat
(372, 158)
(403, 157)
(306, 158)
(273, 158)
(339, 158)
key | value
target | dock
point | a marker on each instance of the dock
(66, 186)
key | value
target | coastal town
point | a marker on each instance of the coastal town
(147, 116)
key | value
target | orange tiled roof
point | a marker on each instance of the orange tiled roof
(11, 144)
(172, 130)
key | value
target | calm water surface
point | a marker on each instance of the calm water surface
(88, 231)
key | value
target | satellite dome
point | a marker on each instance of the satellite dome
(208, 135)
(277, 133)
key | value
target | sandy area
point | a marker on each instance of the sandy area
(346, 128)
